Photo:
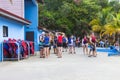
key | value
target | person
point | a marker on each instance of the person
(92, 42)
(101, 43)
(65, 43)
(59, 45)
(78, 42)
(50, 43)
(74, 43)
(85, 45)
(106, 43)
(55, 44)
(42, 55)
(46, 45)
(71, 45)
(116, 45)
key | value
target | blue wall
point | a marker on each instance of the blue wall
(31, 14)
(15, 30)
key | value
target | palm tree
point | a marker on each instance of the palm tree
(113, 26)
(98, 24)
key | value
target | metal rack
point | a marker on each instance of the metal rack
(18, 56)
(18, 52)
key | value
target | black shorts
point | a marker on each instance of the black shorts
(54, 46)
(92, 48)
(41, 47)
(49, 47)
(46, 45)
(59, 44)
(64, 45)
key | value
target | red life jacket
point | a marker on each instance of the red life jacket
(31, 48)
(85, 40)
(93, 39)
(60, 39)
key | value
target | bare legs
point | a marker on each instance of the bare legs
(85, 49)
(42, 55)
(71, 49)
(59, 52)
(46, 52)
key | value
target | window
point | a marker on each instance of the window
(5, 31)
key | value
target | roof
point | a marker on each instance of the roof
(41, 1)
(37, 1)
(43, 28)
(12, 16)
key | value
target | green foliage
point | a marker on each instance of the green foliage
(107, 21)
(76, 18)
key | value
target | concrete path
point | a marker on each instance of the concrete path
(70, 67)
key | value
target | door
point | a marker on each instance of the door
(30, 36)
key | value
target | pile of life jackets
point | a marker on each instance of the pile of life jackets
(12, 48)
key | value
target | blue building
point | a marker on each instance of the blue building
(19, 20)
(31, 14)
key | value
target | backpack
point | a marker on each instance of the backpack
(64, 40)
(69, 40)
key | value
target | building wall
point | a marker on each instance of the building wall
(16, 7)
(15, 30)
(31, 14)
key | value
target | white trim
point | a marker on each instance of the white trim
(13, 17)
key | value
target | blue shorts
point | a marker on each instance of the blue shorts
(92, 48)
(54, 46)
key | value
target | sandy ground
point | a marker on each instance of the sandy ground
(70, 67)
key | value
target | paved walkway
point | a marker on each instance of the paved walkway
(70, 67)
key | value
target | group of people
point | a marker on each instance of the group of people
(91, 41)
(44, 45)
(103, 43)
(61, 43)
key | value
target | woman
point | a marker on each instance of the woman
(116, 45)
(85, 45)
(42, 55)
(55, 44)
(71, 45)
(46, 45)
(65, 43)
(92, 46)
(59, 45)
